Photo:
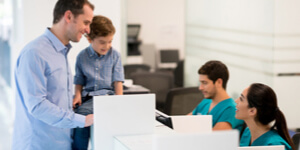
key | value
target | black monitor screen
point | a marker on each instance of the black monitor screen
(167, 121)
(169, 56)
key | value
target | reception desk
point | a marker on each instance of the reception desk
(135, 89)
(170, 140)
(140, 142)
(127, 122)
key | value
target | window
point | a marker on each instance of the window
(6, 102)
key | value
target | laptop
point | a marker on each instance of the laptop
(163, 118)
(186, 123)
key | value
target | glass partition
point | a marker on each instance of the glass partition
(230, 31)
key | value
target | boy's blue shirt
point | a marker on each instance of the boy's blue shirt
(98, 73)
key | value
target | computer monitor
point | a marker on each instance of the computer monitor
(168, 58)
(192, 123)
(133, 31)
(186, 123)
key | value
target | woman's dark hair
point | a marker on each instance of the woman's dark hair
(263, 98)
(214, 70)
(75, 6)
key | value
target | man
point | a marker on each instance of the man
(44, 115)
(213, 77)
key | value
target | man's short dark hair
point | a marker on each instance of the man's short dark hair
(75, 6)
(214, 70)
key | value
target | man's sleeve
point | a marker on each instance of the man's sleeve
(32, 85)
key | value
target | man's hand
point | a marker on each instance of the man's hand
(89, 120)
(76, 100)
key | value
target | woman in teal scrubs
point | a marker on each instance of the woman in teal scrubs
(257, 106)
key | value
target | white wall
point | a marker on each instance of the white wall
(232, 32)
(162, 22)
(287, 58)
(256, 39)
(30, 22)
(113, 9)
(256, 45)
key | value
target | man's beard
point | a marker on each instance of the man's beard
(212, 95)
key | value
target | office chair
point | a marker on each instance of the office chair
(296, 139)
(181, 101)
(157, 82)
(132, 68)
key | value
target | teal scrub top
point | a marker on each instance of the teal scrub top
(224, 111)
(269, 138)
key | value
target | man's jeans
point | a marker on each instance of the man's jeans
(81, 135)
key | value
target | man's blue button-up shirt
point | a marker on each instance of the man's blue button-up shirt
(44, 98)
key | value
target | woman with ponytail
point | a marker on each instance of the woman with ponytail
(257, 106)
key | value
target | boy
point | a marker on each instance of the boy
(99, 71)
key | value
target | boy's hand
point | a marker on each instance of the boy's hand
(76, 101)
